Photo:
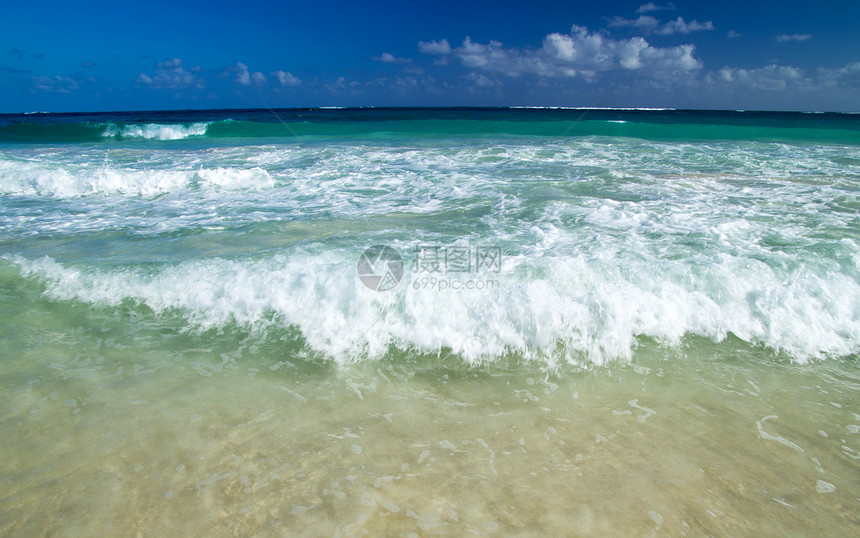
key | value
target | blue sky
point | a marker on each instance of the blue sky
(89, 56)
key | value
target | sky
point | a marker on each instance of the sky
(106, 56)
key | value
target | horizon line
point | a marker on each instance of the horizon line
(430, 107)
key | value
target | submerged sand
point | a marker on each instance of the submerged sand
(131, 443)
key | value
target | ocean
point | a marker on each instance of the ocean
(430, 321)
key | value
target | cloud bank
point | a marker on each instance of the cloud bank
(649, 24)
(579, 53)
(170, 74)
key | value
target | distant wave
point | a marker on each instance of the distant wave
(49, 180)
(397, 124)
(155, 131)
(29, 132)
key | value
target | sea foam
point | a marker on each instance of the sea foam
(555, 310)
(155, 131)
(32, 178)
(606, 242)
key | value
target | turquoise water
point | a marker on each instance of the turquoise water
(616, 321)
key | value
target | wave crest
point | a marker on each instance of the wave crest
(39, 179)
(156, 131)
(553, 311)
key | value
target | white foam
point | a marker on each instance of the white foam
(236, 178)
(29, 178)
(156, 131)
(594, 309)
(604, 242)
(40, 179)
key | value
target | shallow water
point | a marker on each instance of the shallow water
(644, 322)
(167, 435)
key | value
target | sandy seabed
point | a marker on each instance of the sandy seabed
(124, 442)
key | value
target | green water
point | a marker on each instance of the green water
(163, 432)
(602, 323)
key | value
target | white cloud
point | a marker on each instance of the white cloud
(783, 38)
(478, 55)
(414, 70)
(651, 6)
(481, 80)
(769, 78)
(678, 26)
(339, 84)
(787, 82)
(848, 76)
(388, 58)
(171, 74)
(246, 77)
(644, 22)
(56, 84)
(175, 63)
(580, 53)
(434, 47)
(406, 83)
(635, 66)
(243, 76)
(648, 23)
(286, 78)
